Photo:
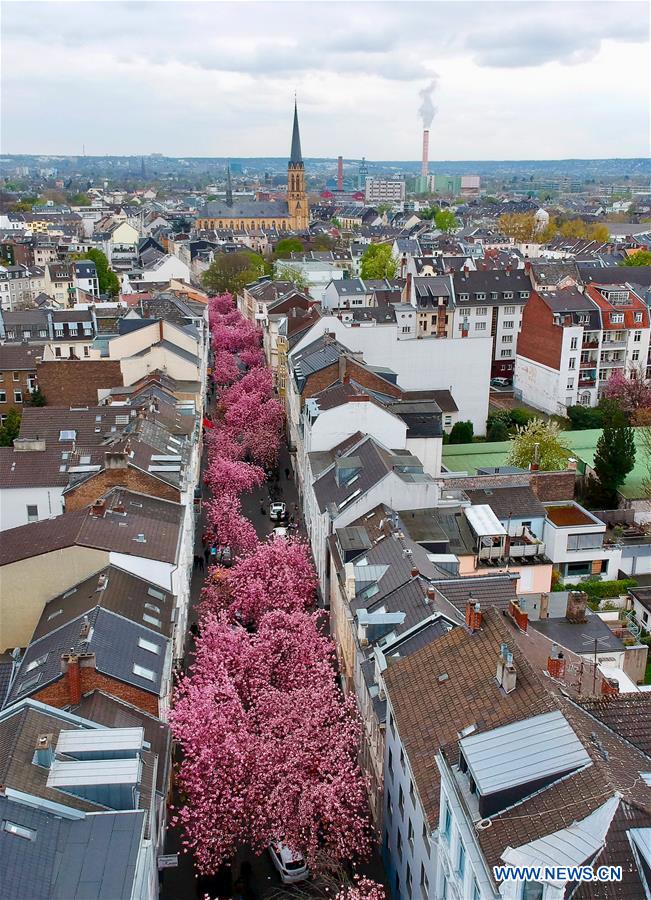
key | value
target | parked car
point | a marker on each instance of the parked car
(291, 866)
(501, 382)
(281, 531)
(277, 511)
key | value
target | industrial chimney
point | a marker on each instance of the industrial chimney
(340, 173)
(424, 169)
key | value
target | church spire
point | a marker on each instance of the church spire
(229, 185)
(296, 157)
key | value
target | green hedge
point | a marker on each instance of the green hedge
(599, 590)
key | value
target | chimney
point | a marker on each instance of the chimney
(85, 627)
(571, 464)
(431, 594)
(576, 606)
(342, 365)
(340, 173)
(44, 751)
(102, 581)
(544, 606)
(518, 615)
(556, 663)
(610, 687)
(98, 508)
(70, 665)
(505, 674)
(424, 169)
(161, 334)
(535, 462)
(115, 459)
(414, 572)
(473, 615)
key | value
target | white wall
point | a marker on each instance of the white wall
(454, 364)
(429, 451)
(14, 502)
(334, 425)
(538, 384)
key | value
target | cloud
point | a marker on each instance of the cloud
(218, 77)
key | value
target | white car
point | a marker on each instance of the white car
(281, 531)
(277, 511)
(291, 866)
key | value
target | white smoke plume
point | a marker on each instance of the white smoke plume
(427, 110)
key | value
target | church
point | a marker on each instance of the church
(289, 215)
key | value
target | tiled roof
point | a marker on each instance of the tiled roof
(429, 712)
(628, 715)
(19, 356)
(159, 521)
(519, 502)
(374, 466)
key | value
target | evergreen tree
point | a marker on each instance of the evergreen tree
(614, 457)
(9, 431)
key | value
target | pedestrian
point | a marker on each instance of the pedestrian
(287, 473)
(201, 565)
(195, 563)
(291, 519)
(206, 554)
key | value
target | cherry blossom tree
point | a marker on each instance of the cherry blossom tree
(232, 476)
(252, 358)
(226, 370)
(225, 523)
(631, 393)
(362, 889)
(277, 575)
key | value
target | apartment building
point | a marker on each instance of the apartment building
(572, 341)
(384, 190)
(20, 285)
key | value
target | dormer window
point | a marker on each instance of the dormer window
(464, 296)
(617, 318)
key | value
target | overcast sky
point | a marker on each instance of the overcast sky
(516, 80)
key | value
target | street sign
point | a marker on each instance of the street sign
(170, 861)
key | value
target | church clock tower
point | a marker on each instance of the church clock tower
(296, 196)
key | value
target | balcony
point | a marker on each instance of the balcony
(612, 344)
(588, 381)
(588, 363)
(590, 343)
(611, 361)
(516, 547)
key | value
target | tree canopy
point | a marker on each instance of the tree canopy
(108, 280)
(445, 220)
(289, 273)
(614, 457)
(9, 431)
(287, 246)
(542, 440)
(229, 272)
(379, 262)
(640, 258)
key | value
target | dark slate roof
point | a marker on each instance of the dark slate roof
(615, 274)
(489, 590)
(245, 209)
(295, 155)
(554, 272)
(429, 288)
(489, 281)
(316, 356)
(374, 466)
(579, 637)
(519, 502)
(441, 525)
(443, 399)
(91, 857)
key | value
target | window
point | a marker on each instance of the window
(570, 384)
(391, 725)
(574, 343)
(32, 513)
(444, 889)
(424, 882)
(509, 310)
(637, 336)
(426, 840)
(412, 792)
(532, 890)
(35, 663)
(409, 883)
(508, 323)
(67, 435)
(401, 801)
(635, 355)
(464, 296)
(507, 338)
(148, 645)
(16, 376)
(18, 396)
(617, 318)
(447, 421)
(405, 329)
(480, 326)
(481, 310)
(480, 295)
(585, 541)
(19, 830)
(151, 620)
(86, 351)
(638, 317)
(475, 890)
(461, 860)
(399, 844)
(410, 834)
(397, 884)
(159, 595)
(494, 295)
(505, 353)
(3, 396)
(144, 673)
(57, 352)
(447, 821)
(571, 362)
(390, 762)
(389, 804)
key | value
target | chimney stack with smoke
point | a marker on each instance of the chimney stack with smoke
(424, 169)
(340, 173)
(427, 111)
